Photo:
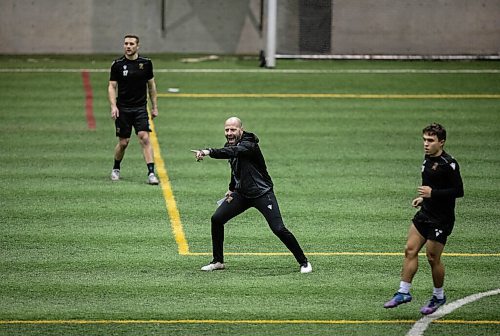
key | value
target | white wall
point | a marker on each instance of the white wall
(98, 26)
(232, 26)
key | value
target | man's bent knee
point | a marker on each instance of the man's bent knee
(123, 142)
(279, 230)
(433, 258)
(411, 251)
(217, 220)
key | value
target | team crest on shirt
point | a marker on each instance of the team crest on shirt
(141, 66)
(434, 166)
(125, 71)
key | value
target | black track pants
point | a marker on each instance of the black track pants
(268, 207)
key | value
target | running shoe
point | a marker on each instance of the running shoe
(115, 174)
(152, 179)
(397, 299)
(306, 267)
(213, 266)
(433, 304)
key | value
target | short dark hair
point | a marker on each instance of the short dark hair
(132, 36)
(435, 129)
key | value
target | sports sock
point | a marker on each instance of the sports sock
(117, 164)
(404, 287)
(438, 292)
(151, 168)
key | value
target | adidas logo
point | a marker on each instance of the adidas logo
(438, 232)
(270, 207)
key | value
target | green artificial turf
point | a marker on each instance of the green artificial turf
(80, 254)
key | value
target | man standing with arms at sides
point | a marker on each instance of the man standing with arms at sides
(433, 223)
(250, 186)
(131, 79)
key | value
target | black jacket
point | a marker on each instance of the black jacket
(249, 176)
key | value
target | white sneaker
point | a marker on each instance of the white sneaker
(213, 266)
(115, 174)
(152, 179)
(306, 268)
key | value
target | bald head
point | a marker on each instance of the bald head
(233, 130)
(234, 121)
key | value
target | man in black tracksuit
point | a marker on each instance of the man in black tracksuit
(433, 223)
(250, 186)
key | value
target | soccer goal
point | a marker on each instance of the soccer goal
(384, 29)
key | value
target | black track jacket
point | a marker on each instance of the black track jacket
(249, 176)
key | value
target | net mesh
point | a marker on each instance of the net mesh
(306, 27)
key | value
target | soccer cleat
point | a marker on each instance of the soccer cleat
(433, 304)
(213, 266)
(397, 299)
(115, 174)
(306, 267)
(152, 179)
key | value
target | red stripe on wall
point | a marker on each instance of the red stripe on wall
(89, 109)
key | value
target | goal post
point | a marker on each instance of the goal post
(272, 16)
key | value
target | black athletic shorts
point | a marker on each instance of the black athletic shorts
(432, 229)
(136, 117)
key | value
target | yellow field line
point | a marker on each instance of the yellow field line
(168, 195)
(39, 322)
(329, 95)
(384, 254)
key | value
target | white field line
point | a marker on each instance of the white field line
(277, 71)
(419, 328)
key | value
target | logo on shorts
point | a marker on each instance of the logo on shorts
(270, 207)
(438, 232)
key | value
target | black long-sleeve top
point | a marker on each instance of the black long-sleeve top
(249, 175)
(442, 174)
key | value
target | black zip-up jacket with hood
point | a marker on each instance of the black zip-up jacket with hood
(249, 176)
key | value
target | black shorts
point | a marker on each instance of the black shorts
(136, 117)
(431, 229)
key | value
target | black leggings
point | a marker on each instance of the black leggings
(268, 207)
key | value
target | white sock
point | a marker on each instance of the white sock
(404, 287)
(438, 292)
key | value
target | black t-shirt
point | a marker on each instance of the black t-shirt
(132, 77)
(442, 174)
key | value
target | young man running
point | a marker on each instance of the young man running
(433, 223)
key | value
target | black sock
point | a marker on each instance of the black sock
(117, 164)
(151, 168)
